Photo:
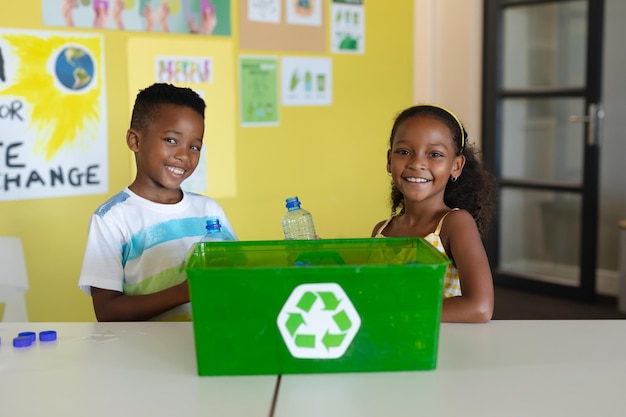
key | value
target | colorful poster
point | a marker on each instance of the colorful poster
(266, 11)
(347, 26)
(204, 17)
(304, 12)
(53, 141)
(205, 65)
(306, 81)
(258, 87)
(183, 69)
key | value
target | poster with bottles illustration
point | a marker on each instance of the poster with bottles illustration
(347, 25)
(306, 81)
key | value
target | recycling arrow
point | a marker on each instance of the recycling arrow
(318, 321)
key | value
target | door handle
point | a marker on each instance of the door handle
(593, 119)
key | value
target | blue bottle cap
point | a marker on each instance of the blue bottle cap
(213, 223)
(22, 341)
(32, 335)
(47, 336)
(292, 202)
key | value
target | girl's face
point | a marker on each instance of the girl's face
(167, 152)
(422, 159)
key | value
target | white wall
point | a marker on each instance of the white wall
(448, 58)
(613, 142)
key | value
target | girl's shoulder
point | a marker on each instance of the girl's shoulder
(379, 227)
(459, 220)
(457, 216)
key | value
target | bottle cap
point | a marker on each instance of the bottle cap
(22, 341)
(32, 335)
(47, 336)
(292, 202)
(213, 223)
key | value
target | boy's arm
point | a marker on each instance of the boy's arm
(115, 306)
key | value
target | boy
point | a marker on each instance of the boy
(138, 239)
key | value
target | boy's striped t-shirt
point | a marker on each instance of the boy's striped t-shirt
(136, 246)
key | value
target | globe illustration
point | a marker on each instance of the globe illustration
(74, 68)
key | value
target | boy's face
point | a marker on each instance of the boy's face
(167, 152)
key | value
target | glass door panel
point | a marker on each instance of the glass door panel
(539, 235)
(539, 142)
(544, 45)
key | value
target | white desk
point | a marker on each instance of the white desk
(499, 369)
(119, 369)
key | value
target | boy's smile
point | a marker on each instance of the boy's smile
(167, 152)
(176, 171)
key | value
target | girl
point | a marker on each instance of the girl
(441, 191)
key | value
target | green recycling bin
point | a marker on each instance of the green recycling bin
(315, 306)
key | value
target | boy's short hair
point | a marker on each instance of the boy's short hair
(149, 100)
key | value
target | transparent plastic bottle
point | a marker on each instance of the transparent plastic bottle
(297, 222)
(214, 231)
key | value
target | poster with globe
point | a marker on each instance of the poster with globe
(53, 141)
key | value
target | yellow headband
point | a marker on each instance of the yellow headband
(455, 118)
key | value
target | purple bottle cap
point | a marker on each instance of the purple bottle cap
(47, 336)
(22, 341)
(32, 335)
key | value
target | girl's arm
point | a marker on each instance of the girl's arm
(115, 306)
(463, 244)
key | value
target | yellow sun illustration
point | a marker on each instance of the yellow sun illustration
(63, 112)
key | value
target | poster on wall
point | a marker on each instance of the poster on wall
(53, 141)
(306, 81)
(183, 69)
(206, 66)
(258, 88)
(203, 17)
(347, 29)
(304, 12)
(266, 11)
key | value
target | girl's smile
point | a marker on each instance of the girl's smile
(418, 180)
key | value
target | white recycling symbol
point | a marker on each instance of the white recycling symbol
(318, 321)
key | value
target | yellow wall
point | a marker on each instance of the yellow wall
(332, 157)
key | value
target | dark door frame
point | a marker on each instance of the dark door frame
(493, 94)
